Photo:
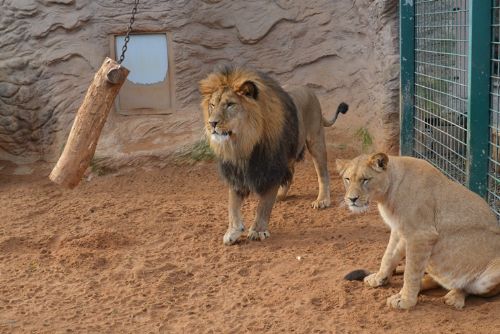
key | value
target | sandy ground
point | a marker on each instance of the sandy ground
(141, 252)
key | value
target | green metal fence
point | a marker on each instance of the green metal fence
(450, 89)
(494, 156)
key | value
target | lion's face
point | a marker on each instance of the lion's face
(236, 113)
(365, 179)
(228, 121)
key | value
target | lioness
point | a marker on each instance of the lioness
(258, 132)
(441, 227)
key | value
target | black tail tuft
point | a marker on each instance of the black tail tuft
(342, 108)
(356, 275)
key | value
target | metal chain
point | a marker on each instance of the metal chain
(127, 36)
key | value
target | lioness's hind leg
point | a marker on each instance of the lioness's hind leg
(259, 231)
(488, 283)
(283, 190)
(455, 298)
(428, 283)
(493, 292)
(317, 148)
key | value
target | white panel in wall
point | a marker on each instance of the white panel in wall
(146, 57)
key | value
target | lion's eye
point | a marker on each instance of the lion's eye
(230, 104)
(346, 179)
(365, 181)
(211, 106)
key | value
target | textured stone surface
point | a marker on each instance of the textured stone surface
(345, 50)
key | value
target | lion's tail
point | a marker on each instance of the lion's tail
(342, 108)
(356, 275)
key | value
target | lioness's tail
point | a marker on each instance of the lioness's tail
(356, 275)
(360, 274)
(342, 108)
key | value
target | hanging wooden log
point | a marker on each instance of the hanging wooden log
(87, 126)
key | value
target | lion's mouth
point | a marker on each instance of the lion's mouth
(221, 136)
(222, 133)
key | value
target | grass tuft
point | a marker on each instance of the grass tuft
(365, 137)
(98, 168)
(198, 152)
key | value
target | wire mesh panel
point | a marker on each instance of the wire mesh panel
(494, 158)
(441, 79)
(450, 89)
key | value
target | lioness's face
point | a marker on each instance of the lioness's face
(365, 180)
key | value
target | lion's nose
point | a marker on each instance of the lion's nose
(353, 199)
(213, 124)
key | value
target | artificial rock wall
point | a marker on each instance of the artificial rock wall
(50, 49)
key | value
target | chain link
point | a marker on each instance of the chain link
(127, 36)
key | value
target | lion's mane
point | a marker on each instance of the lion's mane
(260, 160)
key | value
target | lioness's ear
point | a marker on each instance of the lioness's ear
(248, 89)
(379, 161)
(341, 165)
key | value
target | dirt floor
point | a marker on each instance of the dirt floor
(141, 252)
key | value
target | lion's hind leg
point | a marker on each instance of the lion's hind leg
(317, 148)
(283, 190)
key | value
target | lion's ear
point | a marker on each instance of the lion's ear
(379, 162)
(206, 87)
(341, 165)
(248, 89)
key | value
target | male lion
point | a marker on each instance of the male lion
(258, 132)
(441, 227)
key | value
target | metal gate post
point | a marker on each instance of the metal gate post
(479, 87)
(407, 81)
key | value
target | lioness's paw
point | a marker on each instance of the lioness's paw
(321, 204)
(375, 280)
(455, 298)
(254, 235)
(232, 235)
(400, 303)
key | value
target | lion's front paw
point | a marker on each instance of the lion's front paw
(255, 235)
(375, 280)
(455, 298)
(232, 235)
(400, 303)
(321, 203)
